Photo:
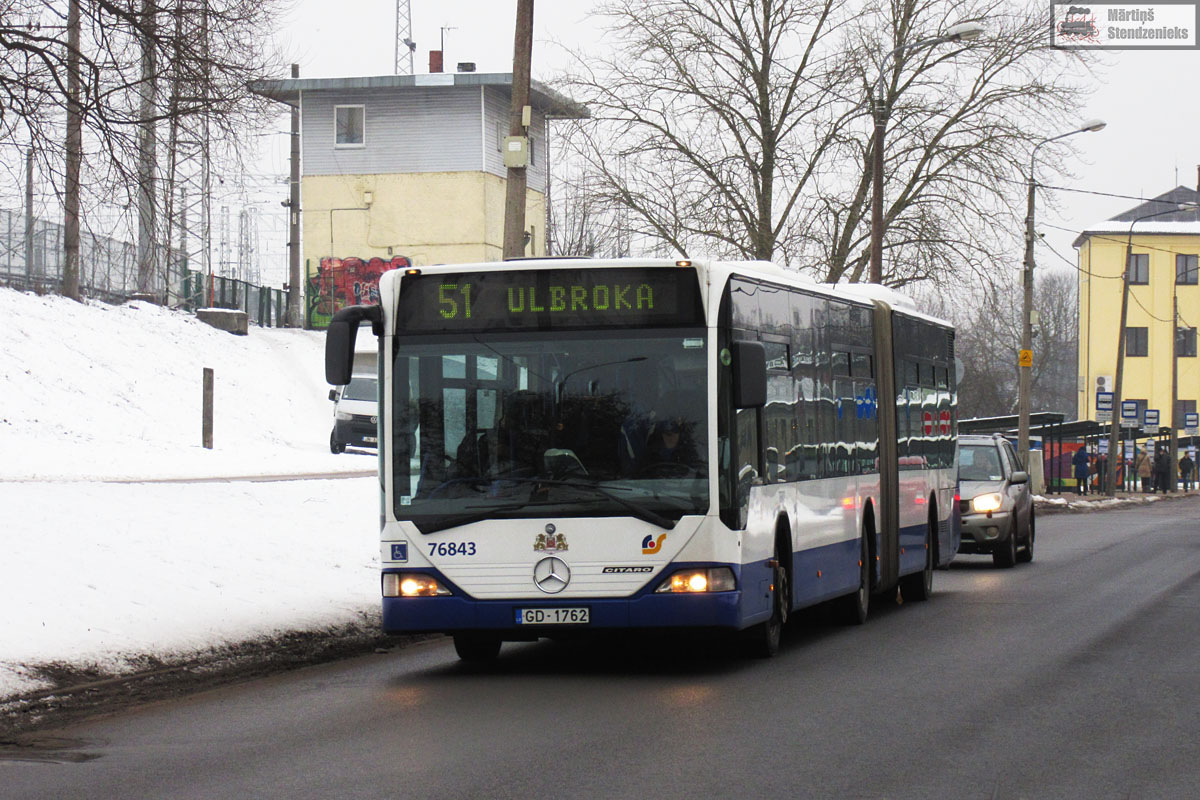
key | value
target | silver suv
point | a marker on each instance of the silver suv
(996, 502)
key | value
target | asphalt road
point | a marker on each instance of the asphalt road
(1075, 676)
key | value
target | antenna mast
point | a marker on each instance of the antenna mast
(404, 42)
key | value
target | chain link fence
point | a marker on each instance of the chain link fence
(32, 258)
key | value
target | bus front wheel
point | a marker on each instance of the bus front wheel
(471, 647)
(762, 640)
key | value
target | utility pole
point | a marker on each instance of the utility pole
(877, 104)
(1171, 484)
(147, 145)
(293, 205)
(74, 157)
(1110, 487)
(518, 133)
(1025, 357)
(206, 158)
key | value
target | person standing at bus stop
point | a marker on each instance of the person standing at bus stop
(1162, 469)
(1082, 472)
(1185, 471)
(1143, 466)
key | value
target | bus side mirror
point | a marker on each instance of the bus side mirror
(749, 374)
(339, 340)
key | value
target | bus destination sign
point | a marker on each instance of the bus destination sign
(557, 299)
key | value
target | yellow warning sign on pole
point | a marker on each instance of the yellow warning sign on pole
(1025, 358)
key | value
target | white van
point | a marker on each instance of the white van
(355, 414)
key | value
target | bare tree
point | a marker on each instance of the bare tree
(988, 336)
(961, 121)
(127, 52)
(1056, 343)
(743, 128)
(711, 117)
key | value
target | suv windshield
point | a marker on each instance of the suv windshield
(593, 423)
(979, 462)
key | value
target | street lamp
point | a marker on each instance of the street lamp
(1110, 484)
(1025, 361)
(964, 31)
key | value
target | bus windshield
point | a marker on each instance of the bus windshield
(550, 424)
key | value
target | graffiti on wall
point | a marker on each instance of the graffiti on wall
(341, 282)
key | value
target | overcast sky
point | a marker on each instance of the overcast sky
(1147, 98)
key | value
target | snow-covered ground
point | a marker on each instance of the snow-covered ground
(103, 563)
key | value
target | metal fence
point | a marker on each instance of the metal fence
(108, 270)
(264, 306)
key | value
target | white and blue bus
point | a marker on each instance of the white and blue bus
(572, 445)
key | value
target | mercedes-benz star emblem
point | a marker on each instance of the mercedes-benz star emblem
(551, 575)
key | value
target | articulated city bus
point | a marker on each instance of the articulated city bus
(570, 445)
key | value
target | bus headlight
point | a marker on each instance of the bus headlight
(411, 584)
(716, 579)
(986, 503)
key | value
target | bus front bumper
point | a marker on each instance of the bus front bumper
(450, 614)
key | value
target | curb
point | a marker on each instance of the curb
(1045, 505)
(79, 694)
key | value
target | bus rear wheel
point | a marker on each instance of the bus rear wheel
(919, 585)
(853, 608)
(475, 648)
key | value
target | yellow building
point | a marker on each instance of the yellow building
(1163, 251)
(409, 167)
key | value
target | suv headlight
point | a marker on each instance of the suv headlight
(986, 503)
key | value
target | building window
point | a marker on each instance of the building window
(1137, 342)
(350, 126)
(1186, 268)
(1139, 268)
(1185, 342)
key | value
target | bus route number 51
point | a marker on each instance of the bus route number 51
(449, 305)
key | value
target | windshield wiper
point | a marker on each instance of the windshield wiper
(636, 509)
(479, 514)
